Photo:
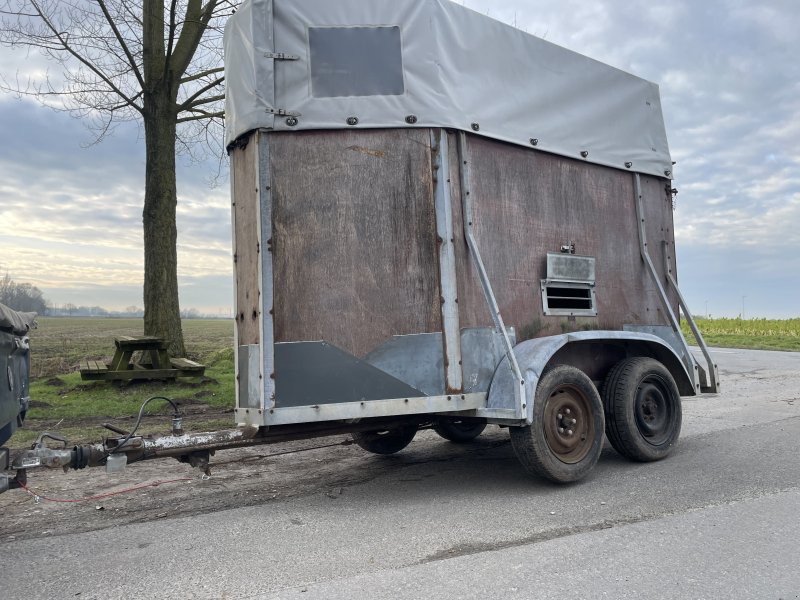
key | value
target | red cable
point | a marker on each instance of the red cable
(109, 494)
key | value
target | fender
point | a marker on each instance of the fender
(535, 355)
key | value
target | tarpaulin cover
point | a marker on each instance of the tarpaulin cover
(17, 322)
(433, 63)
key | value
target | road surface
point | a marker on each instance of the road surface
(717, 519)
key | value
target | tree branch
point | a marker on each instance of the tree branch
(201, 116)
(190, 101)
(202, 74)
(65, 46)
(197, 19)
(123, 45)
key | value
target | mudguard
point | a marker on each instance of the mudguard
(534, 356)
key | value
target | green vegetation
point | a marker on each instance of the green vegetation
(757, 334)
(62, 403)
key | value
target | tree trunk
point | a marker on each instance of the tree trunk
(161, 309)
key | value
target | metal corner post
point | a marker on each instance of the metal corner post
(266, 274)
(447, 261)
(521, 402)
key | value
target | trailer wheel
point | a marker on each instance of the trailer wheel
(385, 441)
(643, 409)
(565, 439)
(459, 431)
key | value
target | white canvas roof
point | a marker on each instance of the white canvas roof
(322, 64)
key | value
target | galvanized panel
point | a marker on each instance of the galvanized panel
(248, 376)
(570, 267)
(415, 359)
(482, 350)
(418, 361)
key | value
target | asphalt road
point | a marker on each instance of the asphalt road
(718, 519)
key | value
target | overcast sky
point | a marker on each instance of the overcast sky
(729, 73)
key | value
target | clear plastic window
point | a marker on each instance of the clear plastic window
(356, 61)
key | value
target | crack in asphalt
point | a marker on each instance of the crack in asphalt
(562, 532)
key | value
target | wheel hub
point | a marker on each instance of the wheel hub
(568, 427)
(652, 411)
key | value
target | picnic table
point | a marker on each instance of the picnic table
(153, 363)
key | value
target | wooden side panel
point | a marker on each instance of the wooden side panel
(354, 237)
(246, 243)
(528, 203)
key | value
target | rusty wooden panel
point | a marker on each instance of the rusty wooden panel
(529, 203)
(354, 236)
(246, 243)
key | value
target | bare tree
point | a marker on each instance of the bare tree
(157, 62)
(23, 297)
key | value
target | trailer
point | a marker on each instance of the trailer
(440, 221)
(441, 218)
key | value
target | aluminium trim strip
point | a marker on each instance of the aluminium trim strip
(447, 261)
(366, 409)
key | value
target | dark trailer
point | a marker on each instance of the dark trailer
(443, 221)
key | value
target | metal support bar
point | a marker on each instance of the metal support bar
(688, 360)
(711, 385)
(447, 261)
(520, 401)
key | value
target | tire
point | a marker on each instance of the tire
(566, 437)
(385, 441)
(643, 409)
(459, 431)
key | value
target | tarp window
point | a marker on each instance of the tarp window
(356, 61)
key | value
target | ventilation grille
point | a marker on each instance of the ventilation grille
(567, 298)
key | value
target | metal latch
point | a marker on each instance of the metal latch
(281, 56)
(282, 112)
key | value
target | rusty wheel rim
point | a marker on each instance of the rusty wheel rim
(569, 424)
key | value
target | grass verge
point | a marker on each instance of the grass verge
(64, 404)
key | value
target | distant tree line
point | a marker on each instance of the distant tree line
(23, 297)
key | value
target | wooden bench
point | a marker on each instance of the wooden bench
(154, 363)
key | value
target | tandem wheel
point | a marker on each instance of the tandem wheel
(565, 439)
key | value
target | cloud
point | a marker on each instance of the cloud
(72, 213)
(730, 85)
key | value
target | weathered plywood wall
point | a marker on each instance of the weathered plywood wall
(526, 204)
(354, 237)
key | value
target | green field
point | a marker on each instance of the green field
(61, 402)
(757, 334)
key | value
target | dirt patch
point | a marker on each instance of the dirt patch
(39, 404)
(55, 382)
